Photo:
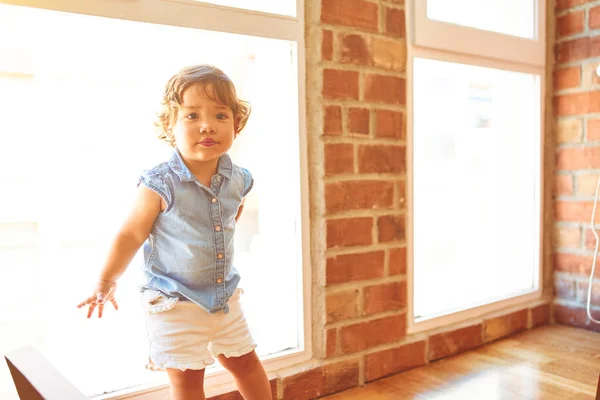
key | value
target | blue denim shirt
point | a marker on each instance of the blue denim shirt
(189, 253)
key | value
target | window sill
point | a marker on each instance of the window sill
(471, 313)
(217, 382)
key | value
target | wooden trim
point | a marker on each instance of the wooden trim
(466, 40)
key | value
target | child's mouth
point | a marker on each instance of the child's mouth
(208, 142)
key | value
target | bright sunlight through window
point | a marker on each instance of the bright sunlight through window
(476, 186)
(78, 96)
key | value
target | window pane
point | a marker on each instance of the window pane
(512, 17)
(76, 115)
(476, 185)
(282, 7)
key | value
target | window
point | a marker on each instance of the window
(512, 17)
(282, 7)
(78, 95)
(476, 167)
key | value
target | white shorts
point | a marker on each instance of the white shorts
(184, 336)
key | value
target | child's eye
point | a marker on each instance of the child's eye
(192, 116)
(222, 116)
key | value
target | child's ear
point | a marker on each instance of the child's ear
(236, 127)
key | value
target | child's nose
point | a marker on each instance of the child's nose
(206, 127)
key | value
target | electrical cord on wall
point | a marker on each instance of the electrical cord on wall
(589, 294)
(593, 223)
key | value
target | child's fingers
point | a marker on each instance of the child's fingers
(91, 309)
(114, 303)
(87, 301)
(100, 310)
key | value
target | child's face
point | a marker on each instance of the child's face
(204, 129)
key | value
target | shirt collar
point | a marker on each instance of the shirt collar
(176, 163)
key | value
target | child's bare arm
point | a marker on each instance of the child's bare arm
(130, 237)
(132, 234)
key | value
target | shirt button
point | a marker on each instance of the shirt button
(218, 178)
(219, 280)
(219, 256)
(218, 228)
(214, 200)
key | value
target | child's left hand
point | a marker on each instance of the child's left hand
(103, 293)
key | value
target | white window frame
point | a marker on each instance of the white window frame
(459, 39)
(205, 16)
(444, 41)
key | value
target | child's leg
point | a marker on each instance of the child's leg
(250, 376)
(186, 385)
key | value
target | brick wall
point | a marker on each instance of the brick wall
(356, 111)
(577, 131)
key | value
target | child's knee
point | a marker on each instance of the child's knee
(242, 365)
(189, 380)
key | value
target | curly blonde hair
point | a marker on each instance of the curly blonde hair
(223, 89)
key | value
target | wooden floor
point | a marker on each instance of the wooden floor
(547, 363)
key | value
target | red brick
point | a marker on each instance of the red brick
(341, 305)
(355, 13)
(384, 297)
(321, 381)
(304, 385)
(388, 53)
(331, 342)
(594, 20)
(567, 237)
(327, 45)
(392, 361)
(582, 292)
(381, 158)
(355, 267)
(565, 78)
(593, 130)
(540, 315)
(340, 376)
(505, 325)
(564, 288)
(565, 4)
(569, 130)
(574, 158)
(398, 261)
(577, 103)
(590, 239)
(401, 194)
(389, 124)
(391, 228)
(572, 50)
(354, 50)
(394, 22)
(564, 185)
(448, 343)
(574, 211)
(339, 158)
(385, 89)
(332, 120)
(369, 334)
(338, 84)
(577, 49)
(586, 184)
(357, 195)
(349, 232)
(358, 120)
(574, 316)
(573, 263)
(571, 23)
